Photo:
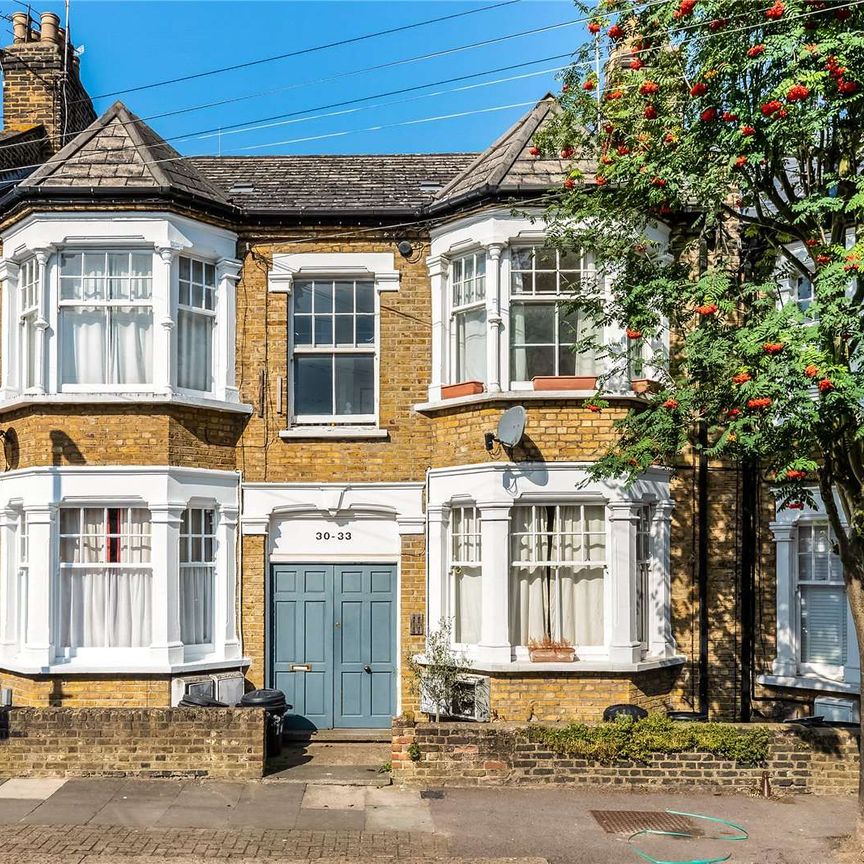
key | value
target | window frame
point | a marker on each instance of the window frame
(454, 562)
(188, 308)
(28, 315)
(557, 298)
(584, 650)
(459, 309)
(60, 303)
(372, 349)
(644, 570)
(806, 668)
(197, 649)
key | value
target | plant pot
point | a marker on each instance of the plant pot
(463, 388)
(565, 382)
(552, 655)
(645, 385)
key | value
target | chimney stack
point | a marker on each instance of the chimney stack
(41, 84)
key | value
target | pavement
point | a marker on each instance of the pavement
(140, 821)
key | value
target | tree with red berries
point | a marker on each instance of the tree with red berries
(739, 125)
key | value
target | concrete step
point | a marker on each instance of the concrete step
(315, 773)
(360, 753)
(339, 736)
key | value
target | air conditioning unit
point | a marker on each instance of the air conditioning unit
(468, 701)
(836, 710)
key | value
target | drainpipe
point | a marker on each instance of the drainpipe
(702, 551)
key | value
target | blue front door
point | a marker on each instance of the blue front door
(333, 645)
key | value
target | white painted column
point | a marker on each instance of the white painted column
(164, 304)
(9, 520)
(38, 647)
(624, 645)
(11, 329)
(786, 661)
(495, 582)
(852, 669)
(41, 384)
(225, 357)
(494, 324)
(165, 521)
(438, 269)
(437, 576)
(225, 639)
(661, 643)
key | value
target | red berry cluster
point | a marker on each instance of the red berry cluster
(773, 347)
(797, 93)
(685, 8)
(776, 11)
(649, 88)
(795, 474)
(759, 403)
(671, 404)
(707, 309)
(632, 333)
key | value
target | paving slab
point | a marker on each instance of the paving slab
(33, 788)
(77, 801)
(330, 820)
(409, 818)
(391, 796)
(339, 775)
(15, 809)
(264, 806)
(334, 798)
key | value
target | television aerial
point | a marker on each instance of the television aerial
(511, 428)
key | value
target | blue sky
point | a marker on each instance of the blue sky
(127, 44)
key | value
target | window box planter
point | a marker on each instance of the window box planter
(565, 382)
(463, 388)
(561, 654)
(645, 385)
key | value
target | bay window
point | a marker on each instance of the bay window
(558, 562)
(197, 573)
(643, 573)
(465, 574)
(822, 607)
(105, 577)
(334, 345)
(106, 318)
(468, 297)
(196, 318)
(28, 289)
(543, 326)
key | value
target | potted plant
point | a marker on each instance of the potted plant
(463, 388)
(437, 671)
(565, 382)
(549, 650)
(645, 385)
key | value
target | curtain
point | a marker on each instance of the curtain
(196, 604)
(471, 345)
(518, 356)
(528, 607)
(581, 605)
(131, 338)
(469, 602)
(83, 339)
(194, 351)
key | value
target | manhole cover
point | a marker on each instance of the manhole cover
(431, 793)
(631, 821)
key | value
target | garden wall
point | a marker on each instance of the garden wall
(132, 742)
(818, 761)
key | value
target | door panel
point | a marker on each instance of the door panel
(339, 622)
(303, 646)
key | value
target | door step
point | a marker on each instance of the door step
(338, 736)
(331, 775)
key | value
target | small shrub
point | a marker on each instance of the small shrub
(414, 752)
(638, 740)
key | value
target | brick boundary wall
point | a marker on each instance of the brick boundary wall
(820, 761)
(134, 742)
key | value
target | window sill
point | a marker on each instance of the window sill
(577, 667)
(126, 398)
(808, 682)
(73, 667)
(525, 396)
(334, 433)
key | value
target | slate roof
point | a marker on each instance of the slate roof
(401, 183)
(120, 151)
(507, 166)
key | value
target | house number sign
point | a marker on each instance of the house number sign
(332, 535)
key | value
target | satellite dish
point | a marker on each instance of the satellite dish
(511, 426)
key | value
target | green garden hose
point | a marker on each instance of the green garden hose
(742, 835)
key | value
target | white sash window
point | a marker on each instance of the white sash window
(197, 572)
(558, 564)
(105, 576)
(196, 317)
(106, 318)
(28, 287)
(465, 569)
(468, 283)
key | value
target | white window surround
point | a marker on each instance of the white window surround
(29, 623)
(497, 232)
(495, 490)
(787, 670)
(164, 236)
(377, 267)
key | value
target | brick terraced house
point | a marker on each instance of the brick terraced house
(244, 405)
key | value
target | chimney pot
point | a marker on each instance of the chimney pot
(19, 26)
(50, 25)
